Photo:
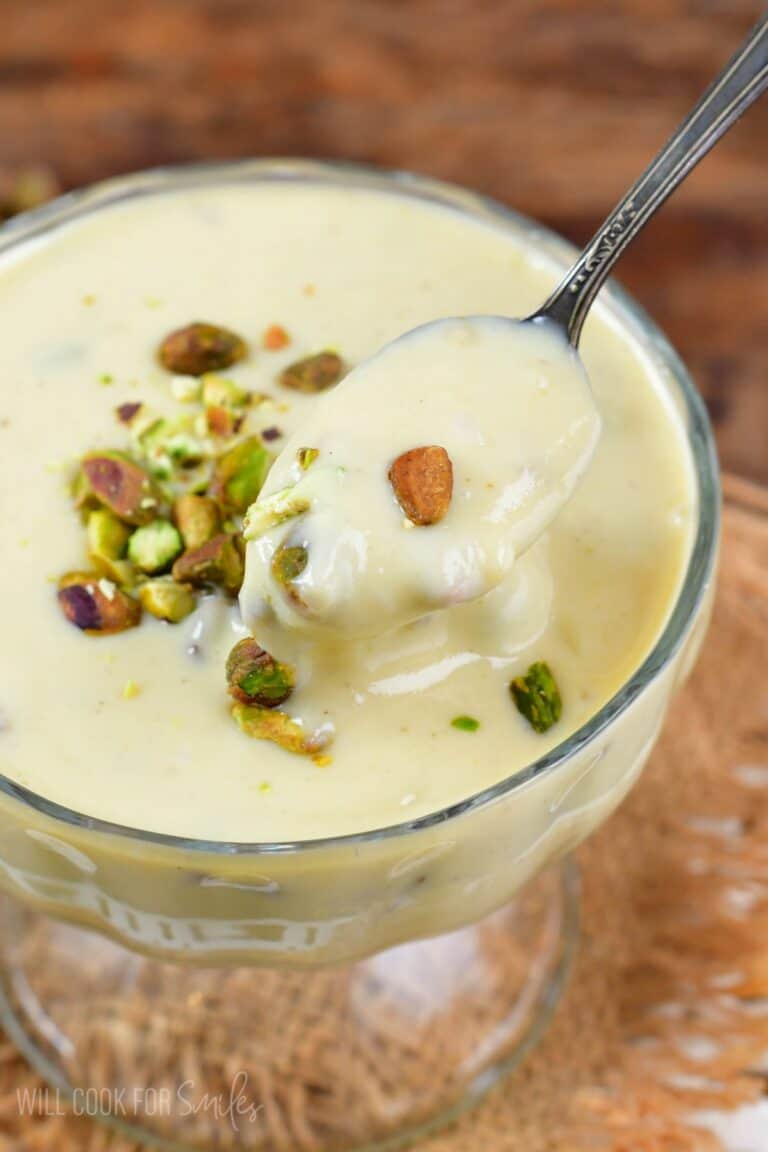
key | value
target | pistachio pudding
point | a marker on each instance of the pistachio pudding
(236, 587)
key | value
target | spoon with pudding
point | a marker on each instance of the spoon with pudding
(416, 482)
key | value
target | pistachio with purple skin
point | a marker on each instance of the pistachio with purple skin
(201, 347)
(218, 562)
(127, 413)
(255, 677)
(95, 605)
(114, 481)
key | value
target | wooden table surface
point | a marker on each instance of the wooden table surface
(552, 106)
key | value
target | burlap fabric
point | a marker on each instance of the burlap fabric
(661, 1039)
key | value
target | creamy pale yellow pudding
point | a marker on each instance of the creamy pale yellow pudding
(512, 423)
(135, 727)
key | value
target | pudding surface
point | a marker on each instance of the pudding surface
(135, 728)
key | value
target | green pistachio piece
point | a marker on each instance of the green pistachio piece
(288, 562)
(171, 444)
(465, 723)
(314, 373)
(200, 348)
(167, 600)
(239, 474)
(107, 542)
(154, 547)
(217, 562)
(255, 677)
(114, 481)
(95, 605)
(219, 392)
(273, 510)
(306, 457)
(268, 724)
(197, 518)
(537, 696)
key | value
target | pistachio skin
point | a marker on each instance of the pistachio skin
(167, 600)
(314, 373)
(537, 696)
(218, 562)
(90, 608)
(197, 518)
(155, 546)
(239, 474)
(422, 480)
(127, 413)
(114, 481)
(200, 348)
(255, 677)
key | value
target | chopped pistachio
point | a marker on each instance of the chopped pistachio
(201, 348)
(167, 600)
(95, 605)
(306, 457)
(271, 433)
(537, 696)
(275, 337)
(283, 505)
(222, 422)
(288, 562)
(216, 562)
(131, 690)
(219, 392)
(239, 474)
(465, 723)
(186, 389)
(314, 373)
(170, 443)
(107, 542)
(197, 518)
(155, 546)
(127, 413)
(118, 483)
(422, 480)
(255, 677)
(106, 379)
(268, 724)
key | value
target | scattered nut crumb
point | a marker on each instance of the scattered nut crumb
(131, 690)
(275, 337)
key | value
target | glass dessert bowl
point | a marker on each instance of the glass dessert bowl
(437, 943)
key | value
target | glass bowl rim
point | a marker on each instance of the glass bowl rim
(106, 193)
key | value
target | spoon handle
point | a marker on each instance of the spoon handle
(743, 79)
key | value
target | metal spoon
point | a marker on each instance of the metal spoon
(740, 83)
(364, 573)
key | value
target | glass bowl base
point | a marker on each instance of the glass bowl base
(363, 1056)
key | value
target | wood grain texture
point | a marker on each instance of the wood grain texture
(552, 106)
